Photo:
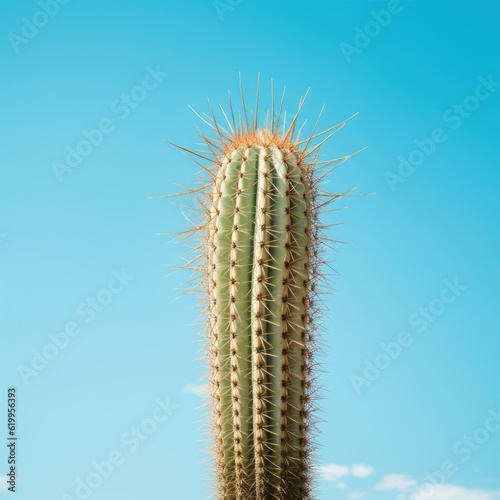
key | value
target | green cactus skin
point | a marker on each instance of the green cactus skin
(261, 252)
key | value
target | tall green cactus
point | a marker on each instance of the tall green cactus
(261, 262)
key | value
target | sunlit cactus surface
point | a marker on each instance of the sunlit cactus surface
(260, 260)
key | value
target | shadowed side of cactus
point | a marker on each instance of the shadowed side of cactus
(261, 257)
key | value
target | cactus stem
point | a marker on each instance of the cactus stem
(260, 264)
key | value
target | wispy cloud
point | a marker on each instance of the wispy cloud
(402, 486)
(333, 472)
(408, 487)
(336, 472)
(451, 492)
(362, 470)
(396, 482)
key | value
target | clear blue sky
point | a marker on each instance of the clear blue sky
(80, 249)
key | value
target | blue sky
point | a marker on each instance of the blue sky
(410, 362)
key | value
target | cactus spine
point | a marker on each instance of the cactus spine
(261, 255)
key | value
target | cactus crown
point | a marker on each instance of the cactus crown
(261, 137)
(259, 263)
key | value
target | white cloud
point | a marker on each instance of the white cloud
(450, 492)
(406, 485)
(333, 472)
(398, 482)
(200, 390)
(3, 483)
(342, 486)
(357, 494)
(362, 470)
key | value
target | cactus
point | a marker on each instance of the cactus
(261, 260)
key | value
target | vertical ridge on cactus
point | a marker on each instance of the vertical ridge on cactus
(260, 267)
